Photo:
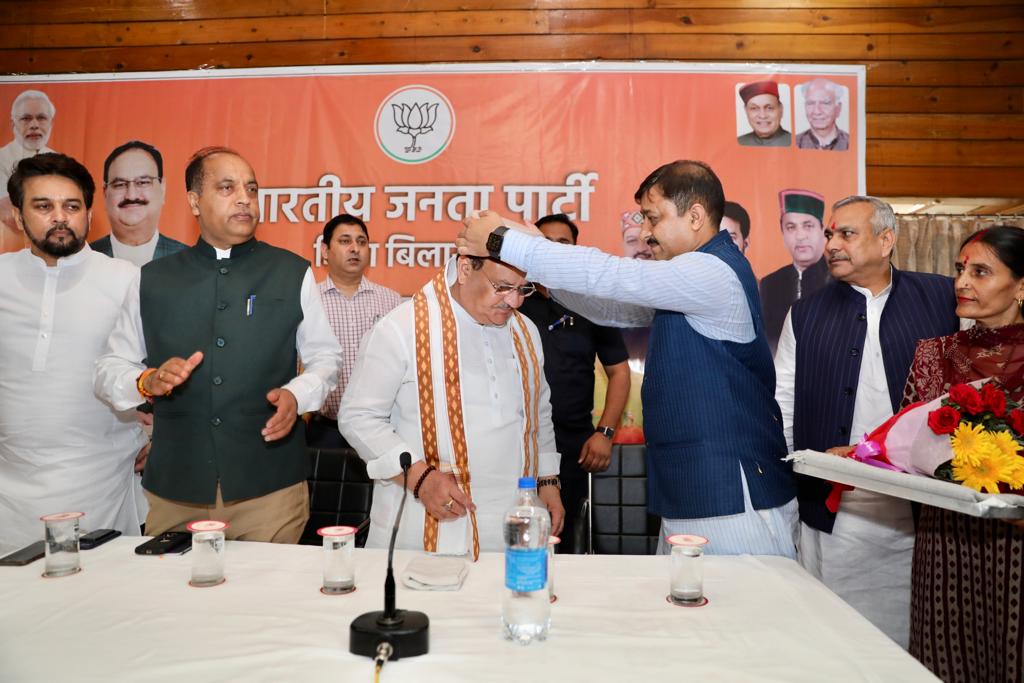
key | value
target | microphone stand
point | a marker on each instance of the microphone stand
(396, 632)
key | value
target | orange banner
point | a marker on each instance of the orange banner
(412, 149)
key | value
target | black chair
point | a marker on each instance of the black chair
(621, 523)
(340, 493)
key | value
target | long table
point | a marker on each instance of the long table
(133, 618)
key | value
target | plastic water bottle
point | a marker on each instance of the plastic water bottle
(526, 608)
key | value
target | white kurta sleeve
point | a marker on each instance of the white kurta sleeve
(785, 378)
(318, 348)
(117, 370)
(549, 461)
(364, 417)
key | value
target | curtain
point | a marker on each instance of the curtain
(930, 243)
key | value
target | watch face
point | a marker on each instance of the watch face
(494, 244)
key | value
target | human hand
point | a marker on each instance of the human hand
(282, 421)
(442, 497)
(841, 451)
(596, 454)
(173, 372)
(472, 241)
(552, 499)
(140, 459)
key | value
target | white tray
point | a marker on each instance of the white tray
(919, 488)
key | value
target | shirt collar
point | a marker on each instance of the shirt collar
(64, 261)
(867, 292)
(211, 252)
(364, 286)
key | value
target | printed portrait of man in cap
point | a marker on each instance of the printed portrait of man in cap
(763, 107)
(802, 212)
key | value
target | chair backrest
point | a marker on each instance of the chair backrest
(340, 492)
(622, 525)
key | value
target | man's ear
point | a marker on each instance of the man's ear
(463, 266)
(697, 215)
(888, 238)
(193, 202)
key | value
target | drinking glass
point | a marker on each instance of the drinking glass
(207, 553)
(686, 581)
(339, 570)
(62, 556)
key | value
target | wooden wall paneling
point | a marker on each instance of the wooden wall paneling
(962, 153)
(949, 181)
(924, 127)
(893, 99)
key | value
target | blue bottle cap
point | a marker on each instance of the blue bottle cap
(527, 483)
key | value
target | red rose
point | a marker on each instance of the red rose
(995, 400)
(945, 420)
(1016, 420)
(968, 398)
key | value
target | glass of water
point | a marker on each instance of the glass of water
(62, 557)
(207, 552)
(339, 569)
(552, 542)
(686, 584)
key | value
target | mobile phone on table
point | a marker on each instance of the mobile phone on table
(97, 537)
(167, 542)
(26, 555)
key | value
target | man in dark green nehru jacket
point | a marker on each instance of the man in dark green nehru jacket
(212, 335)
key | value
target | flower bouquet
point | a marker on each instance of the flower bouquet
(971, 436)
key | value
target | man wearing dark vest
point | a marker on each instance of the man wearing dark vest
(221, 326)
(714, 432)
(842, 363)
(802, 212)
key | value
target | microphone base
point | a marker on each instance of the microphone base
(408, 634)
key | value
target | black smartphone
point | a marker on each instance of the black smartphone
(167, 542)
(26, 555)
(97, 537)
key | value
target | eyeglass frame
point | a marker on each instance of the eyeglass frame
(518, 289)
(132, 182)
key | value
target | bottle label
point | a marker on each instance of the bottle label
(526, 569)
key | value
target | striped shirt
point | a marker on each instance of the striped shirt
(351, 318)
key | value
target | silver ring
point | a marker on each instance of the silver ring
(448, 505)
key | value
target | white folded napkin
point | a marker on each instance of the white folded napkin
(435, 573)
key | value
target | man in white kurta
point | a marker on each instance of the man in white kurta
(61, 448)
(380, 414)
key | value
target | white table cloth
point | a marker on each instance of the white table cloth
(133, 618)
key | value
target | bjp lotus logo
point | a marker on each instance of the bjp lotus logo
(414, 121)
(414, 124)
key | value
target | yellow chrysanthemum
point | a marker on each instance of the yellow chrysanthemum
(968, 441)
(1015, 477)
(1005, 442)
(992, 467)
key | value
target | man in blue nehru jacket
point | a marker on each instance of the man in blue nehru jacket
(212, 336)
(714, 432)
(842, 363)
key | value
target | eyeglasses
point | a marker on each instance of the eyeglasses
(142, 183)
(504, 289)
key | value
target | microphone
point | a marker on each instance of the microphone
(399, 632)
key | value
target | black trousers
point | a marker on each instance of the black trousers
(574, 490)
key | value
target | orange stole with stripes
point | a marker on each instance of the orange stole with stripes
(529, 369)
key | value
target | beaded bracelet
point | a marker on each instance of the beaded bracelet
(419, 483)
(140, 383)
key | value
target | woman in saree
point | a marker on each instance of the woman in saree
(967, 598)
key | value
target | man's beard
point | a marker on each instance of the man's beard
(59, 249)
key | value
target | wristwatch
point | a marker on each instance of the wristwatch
(607, 431)
(494, 241)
